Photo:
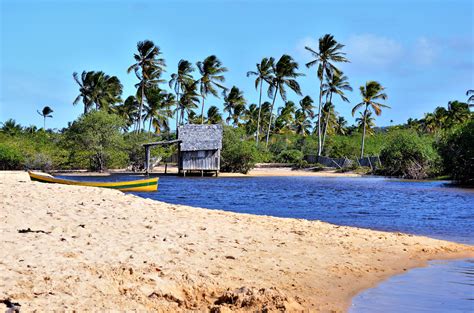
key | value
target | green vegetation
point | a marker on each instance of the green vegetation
(111, 131)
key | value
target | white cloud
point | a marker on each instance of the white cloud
(370, 49)
(307, 42)
(424, 51)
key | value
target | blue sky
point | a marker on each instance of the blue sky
(421, 51)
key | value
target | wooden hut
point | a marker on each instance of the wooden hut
(199, 148)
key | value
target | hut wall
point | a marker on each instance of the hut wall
(201, 160)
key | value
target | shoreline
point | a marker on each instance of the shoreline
(175, 257)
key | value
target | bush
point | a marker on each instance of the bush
(457, 152)
(39, 161)
(96, 136)
(290, 156)
(10, 158)
(237, 155)
(409, 155)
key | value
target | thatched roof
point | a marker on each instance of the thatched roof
(200, 137)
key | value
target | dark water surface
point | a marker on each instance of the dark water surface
(430, 208)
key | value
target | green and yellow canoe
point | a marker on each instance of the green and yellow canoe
(150, 184)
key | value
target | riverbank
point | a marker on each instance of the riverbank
(84, 248)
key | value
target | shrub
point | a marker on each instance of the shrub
(409, 155)
(457, 152)
(39, 161)
(10, 158)
(237, 155)
(290, 156)
(97, 136)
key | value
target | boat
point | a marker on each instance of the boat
(149, 184)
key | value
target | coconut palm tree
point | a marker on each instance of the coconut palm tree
(10, 127)
(285, 119)
(341, 125)
(328, 119)
(329, 52)
(337, 83)
(371, 92)
(458, 112)
(264, 73)
(302, 123)
(367, 121)
(250, 117)
(158, 110)
(148, 68)
(188, 101)
(213, 115)
(211, 71)
(128, 111)
(177, 82)
(284, 75)
(99, 89)
(234, 104)
(46, 112)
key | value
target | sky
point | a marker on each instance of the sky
(421, 51)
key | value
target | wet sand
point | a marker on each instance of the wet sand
(85, 248)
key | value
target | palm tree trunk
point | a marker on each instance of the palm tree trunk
(149, 126)
(44, 122)
(327, 122)
(177, 110)
(259, 110)
(141, 109)
(363, 135)
(202, 111)
(319, 108)
(271, 115)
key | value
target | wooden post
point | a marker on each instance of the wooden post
(166, 168)
(202, 173)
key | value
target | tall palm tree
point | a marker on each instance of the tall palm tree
(128, 111)
(148, 68)
(250, 117)
(234, 104)
(302, 123)
(328, 119)
(213, 115)
(371, 92)
(211, 71)
(46, 112)
(158, 109)
(329, 52)
(99, 89)
(284, 75)
(177, 82)
(264, 73)
(189, 100)
(336, 83)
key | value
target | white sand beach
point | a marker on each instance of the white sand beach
(90, 249)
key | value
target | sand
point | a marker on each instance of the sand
(90, 249)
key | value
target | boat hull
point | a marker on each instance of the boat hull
(142, 185)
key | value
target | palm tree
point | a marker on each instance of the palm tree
(337, 83)
(250, 117)
(301, 124)
(128, 111)
(46, 112)
(371, 92)
(177, 82)
(285, 119)
(148, 68)
(189, 101)
(366, 123)
(159, 108)
(211, 71)
(234, 104)
(329, 117)
(213, 115)
(328, 52)
(263, 73)
(341, 125)
(10, 127)
(470, 94)
(458, 112)
(99, 89)
(284, 74)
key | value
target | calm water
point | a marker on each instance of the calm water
(430, 208)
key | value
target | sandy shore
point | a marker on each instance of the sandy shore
(90, 249)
